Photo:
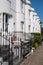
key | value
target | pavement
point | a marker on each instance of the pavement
(35, 58)
(17, 61)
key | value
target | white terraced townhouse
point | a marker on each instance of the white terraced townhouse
(18, 22)
(18, 18)
(37, 24)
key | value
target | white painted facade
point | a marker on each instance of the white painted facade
(21, 18)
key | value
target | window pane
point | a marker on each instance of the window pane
(29, 27)
(22, 25)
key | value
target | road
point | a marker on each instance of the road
(36, 58)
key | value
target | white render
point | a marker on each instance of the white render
(22, 18)
(5, 6)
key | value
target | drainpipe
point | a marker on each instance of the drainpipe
(4, 27)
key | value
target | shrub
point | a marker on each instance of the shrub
(37, 37)
(35, 45)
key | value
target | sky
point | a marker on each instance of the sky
(38, 6)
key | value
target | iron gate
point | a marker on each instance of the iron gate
(6, 54)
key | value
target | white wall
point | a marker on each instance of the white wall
(19, 15)
(11, 26)
(27, 17)
(4, 6)
(1, 19)
(37, 25)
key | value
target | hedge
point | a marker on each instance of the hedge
(37, 38)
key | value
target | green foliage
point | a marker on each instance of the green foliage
(37, 37)
(42, 32)
(35, 45)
